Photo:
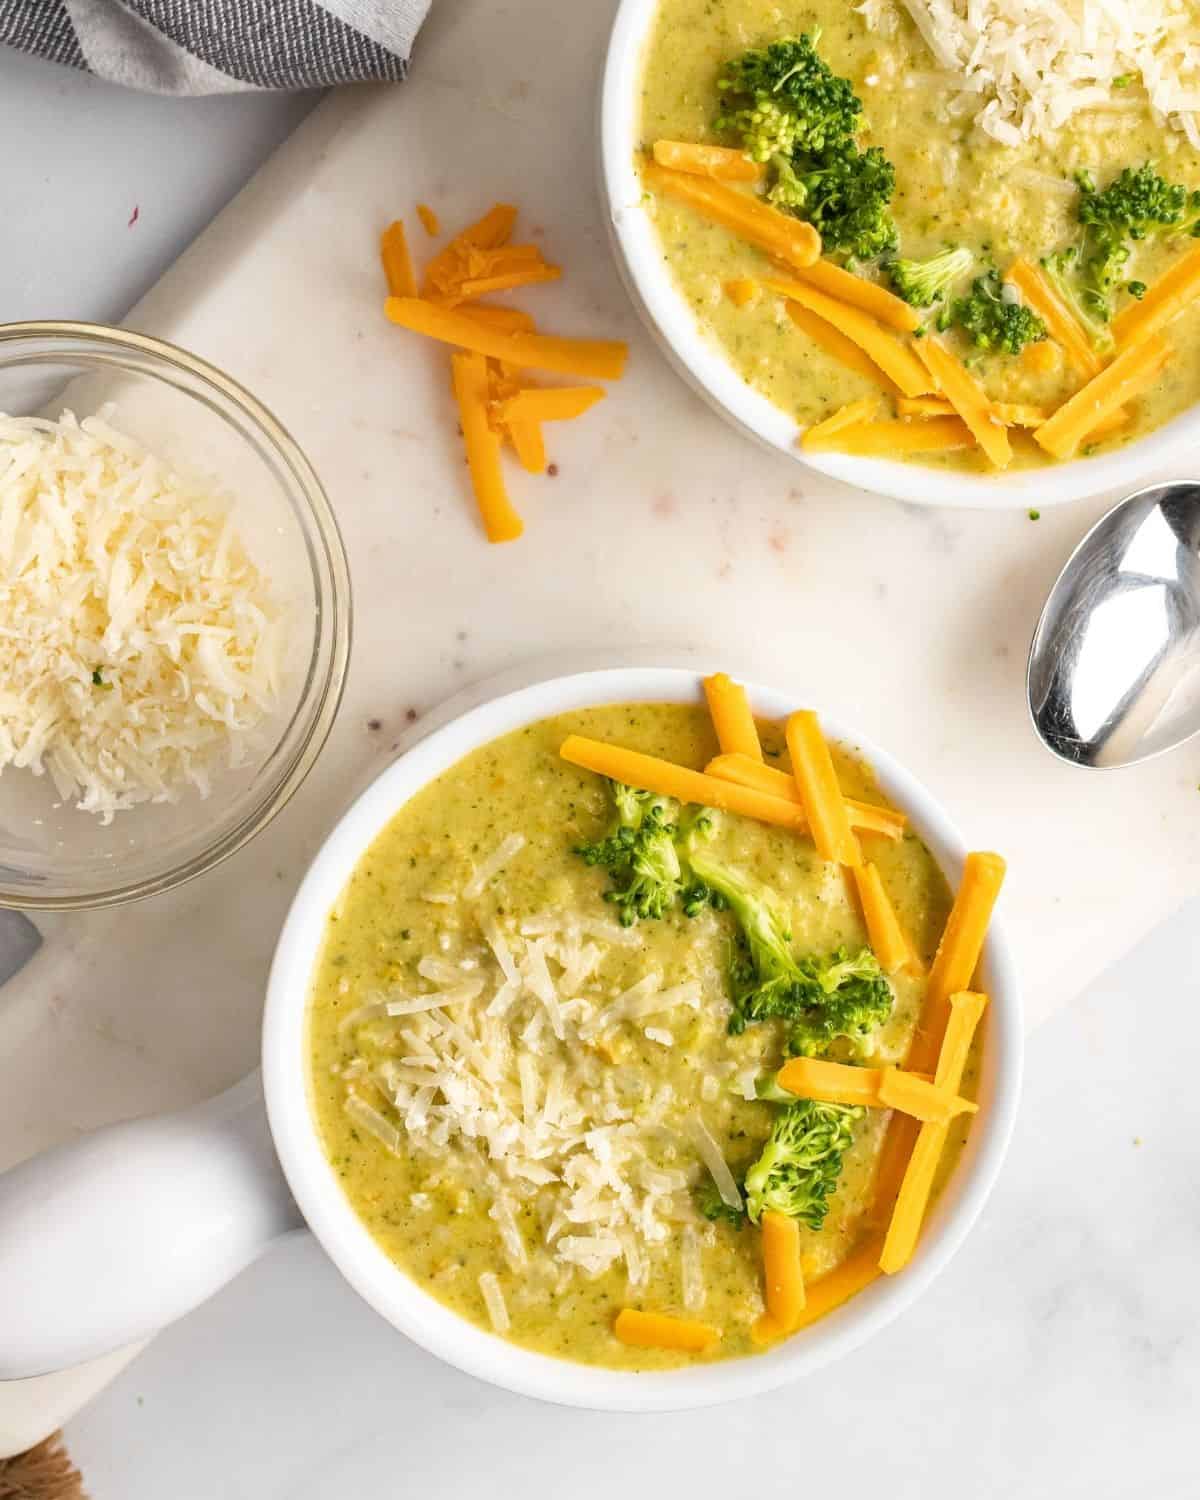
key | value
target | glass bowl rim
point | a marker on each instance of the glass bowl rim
(331, 573)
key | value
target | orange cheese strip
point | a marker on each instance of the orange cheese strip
(650, 774)
(820, 435)
(968, 398)
(707, 161)
(886, 439)
(733, 723)
(812, 766)
(923, 406)
(1019, 413)
(1064, 327)
(1112, 423)
(917, 1185)
(397, 262)
(864, 816)
(856, 1272)
(506, 281)
(551, 404)
(782, 1275)
(1165, 300)
(921, 1097)
(916, 1094)
(790, 240)
(591, 359)
(1133, 370)
(1043, 357)
(429, 220)
(958, 952)
(492, 230)
(885, 348)
(844, 350)
(875, 300)
(645, 1330)
(742, 291)
(831, 1082)
(500, 520)
(889, 942)
(504, 319)
(529, 443)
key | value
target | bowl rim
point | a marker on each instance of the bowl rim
(700, 360)
(334, 634)
(412, 1310)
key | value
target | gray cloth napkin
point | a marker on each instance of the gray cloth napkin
(219, 46)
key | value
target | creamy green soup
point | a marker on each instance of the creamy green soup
(618, 1037)
(954, 186)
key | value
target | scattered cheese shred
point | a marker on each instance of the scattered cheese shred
(139, 647)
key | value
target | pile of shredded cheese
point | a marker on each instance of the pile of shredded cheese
(500, 1066)
(139, 648)
(1030, 65)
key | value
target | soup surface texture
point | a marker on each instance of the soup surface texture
(955, 186)
(543, 1088)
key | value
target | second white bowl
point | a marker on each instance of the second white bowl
(702, 363)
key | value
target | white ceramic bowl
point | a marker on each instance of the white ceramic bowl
(443, 1332)
(701, 361)
(107, 1239)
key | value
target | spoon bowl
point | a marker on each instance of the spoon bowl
(1114, 668)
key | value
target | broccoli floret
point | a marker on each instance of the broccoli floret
(801, 1162)
(924, 282)
(1137, 203)
(824, 1000)
(844, 193)
(849, 999)
(991, 321)
(785, 97)
(639, 855)
(1063, 270)
(715, 1209)
(763, 973)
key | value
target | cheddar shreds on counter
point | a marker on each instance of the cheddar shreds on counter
(494, 346)
(139, 645)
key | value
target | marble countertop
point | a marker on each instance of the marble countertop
(1058, 1356)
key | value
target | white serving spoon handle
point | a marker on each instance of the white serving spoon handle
(105, 1240)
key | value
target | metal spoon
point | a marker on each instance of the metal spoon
(1114, 669)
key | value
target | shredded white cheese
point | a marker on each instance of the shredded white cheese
(514, 1092)
(1027, 67)
(139, 648)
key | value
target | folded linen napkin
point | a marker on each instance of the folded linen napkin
(220, 46)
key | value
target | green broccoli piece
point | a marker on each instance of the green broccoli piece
(991, 321)
(639, 855)
(1136, 204)
(714, 1208)
(763, 973)
(785, 97)
(924, 282)
(824, 1000)
(1063, 270)
(844, 193)
(800, 1165)
(849, 999)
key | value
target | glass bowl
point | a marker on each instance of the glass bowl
(186, 412)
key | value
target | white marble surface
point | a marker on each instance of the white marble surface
(1059, 1356)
